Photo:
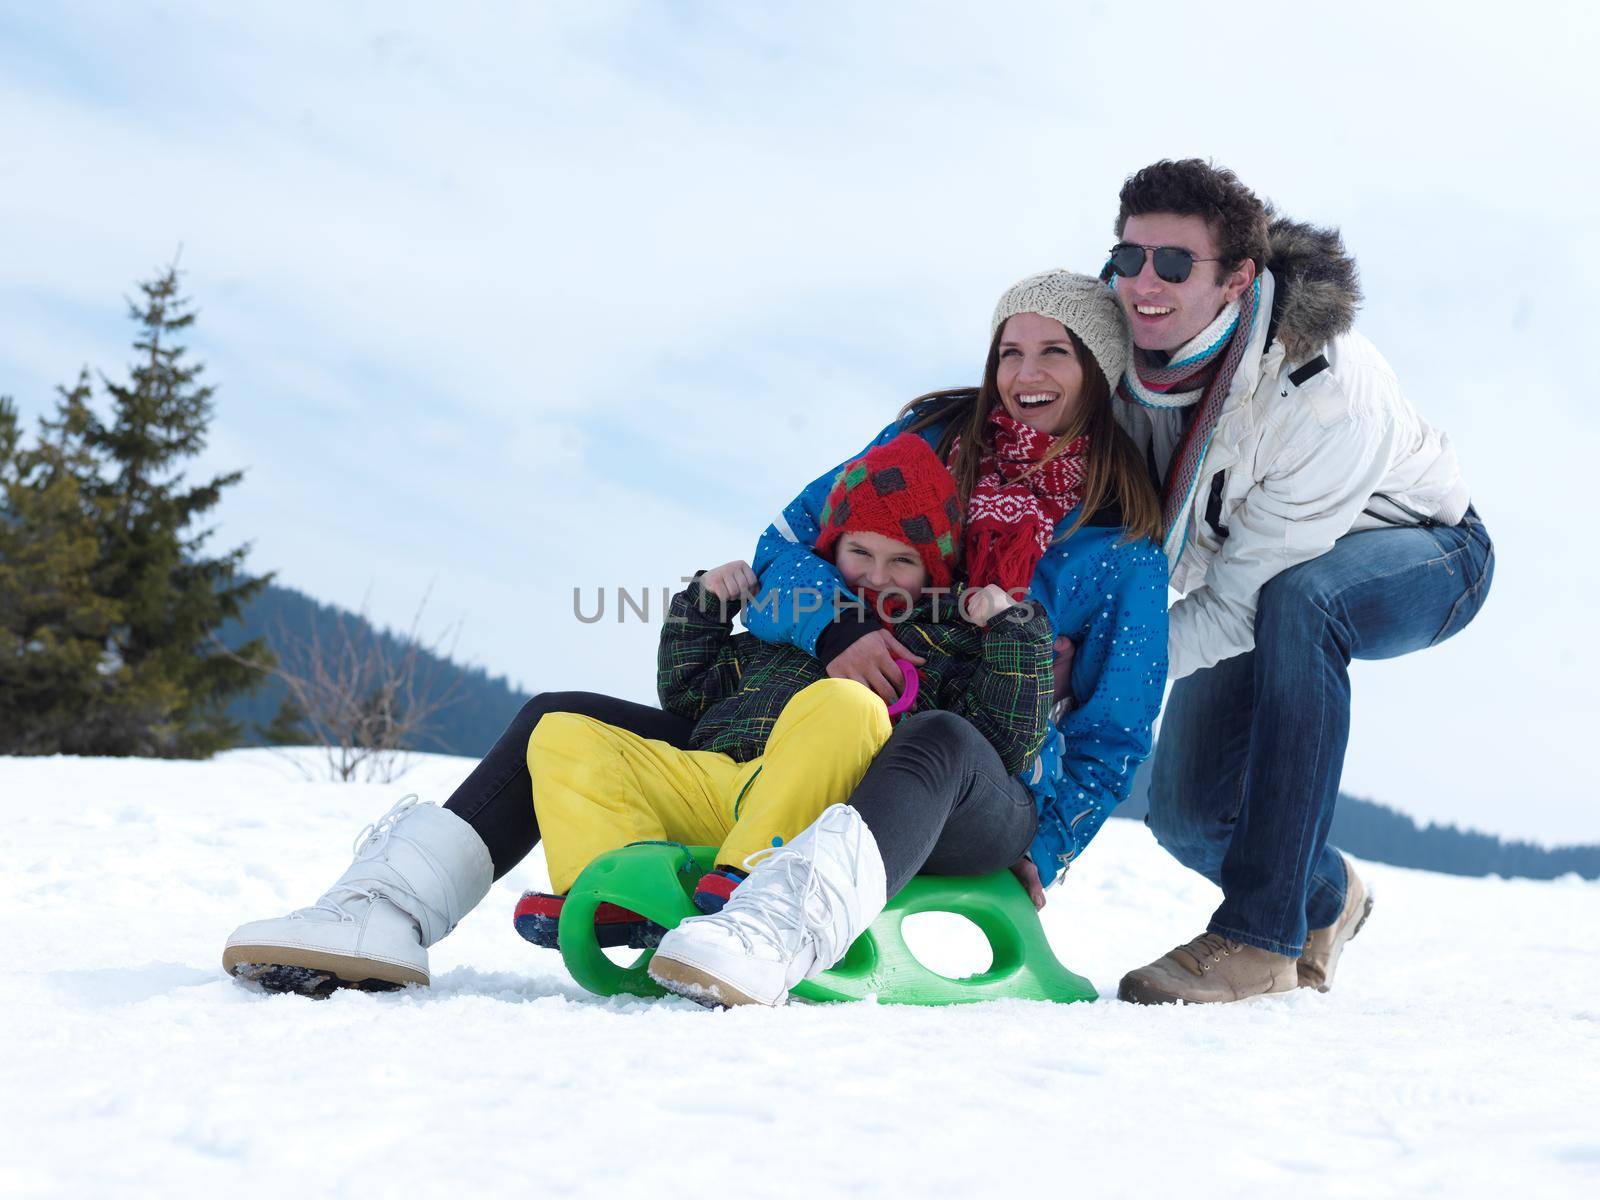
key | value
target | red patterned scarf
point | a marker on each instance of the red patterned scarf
(1017, 502)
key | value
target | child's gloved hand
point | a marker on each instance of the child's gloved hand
(979, 605)
(731, 581)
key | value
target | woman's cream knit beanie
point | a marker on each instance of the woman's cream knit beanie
(1080, 302)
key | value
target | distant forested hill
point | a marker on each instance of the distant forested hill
(1377, 832)
(468, 725)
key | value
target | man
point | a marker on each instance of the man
(1310, 516)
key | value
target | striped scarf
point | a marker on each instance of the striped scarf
(1016, 503)
(1200, 371)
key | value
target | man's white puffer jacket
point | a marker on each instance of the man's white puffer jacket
(1315, 432)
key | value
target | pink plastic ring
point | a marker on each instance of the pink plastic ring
(908, 695)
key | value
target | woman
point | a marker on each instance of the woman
(1083, 505)
(1058, 504)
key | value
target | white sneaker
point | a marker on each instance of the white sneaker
(794, 917)
(418, 870)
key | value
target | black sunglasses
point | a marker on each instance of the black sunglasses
(1173, 263)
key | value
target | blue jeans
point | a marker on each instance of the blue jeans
(1246, 769)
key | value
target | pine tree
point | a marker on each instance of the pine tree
(109, 606)
(54, 628)
(287, 727)
(170, 597)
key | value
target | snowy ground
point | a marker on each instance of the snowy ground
(1459, 1054)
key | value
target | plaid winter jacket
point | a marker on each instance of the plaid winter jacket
(733, 686)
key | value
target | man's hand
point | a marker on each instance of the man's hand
(730, 582)
(1028, 875)
(870, 660)
(985, 603)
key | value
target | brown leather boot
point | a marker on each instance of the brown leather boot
(1323, 946)
(1212, 969)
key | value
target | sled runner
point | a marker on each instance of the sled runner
(657, 879)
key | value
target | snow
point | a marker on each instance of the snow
(1459, 1052)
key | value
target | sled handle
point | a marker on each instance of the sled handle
(908, 696)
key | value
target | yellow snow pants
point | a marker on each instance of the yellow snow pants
(598, 788)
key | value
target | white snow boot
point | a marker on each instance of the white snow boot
(418, 870)
(794, 917)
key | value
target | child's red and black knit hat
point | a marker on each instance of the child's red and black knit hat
(902, 491)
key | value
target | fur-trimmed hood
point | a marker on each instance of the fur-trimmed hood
(1318, 290)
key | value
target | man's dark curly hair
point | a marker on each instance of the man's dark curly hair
(1192, 187)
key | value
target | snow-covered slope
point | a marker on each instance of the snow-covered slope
(1459, 1053)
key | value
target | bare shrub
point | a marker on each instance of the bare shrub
(365, 697)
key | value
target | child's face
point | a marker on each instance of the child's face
(878, 563)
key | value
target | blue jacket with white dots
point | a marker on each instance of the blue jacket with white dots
(1108, 596)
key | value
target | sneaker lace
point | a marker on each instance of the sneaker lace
(369, 842)
(1204, 951)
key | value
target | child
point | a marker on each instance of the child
(776, 741)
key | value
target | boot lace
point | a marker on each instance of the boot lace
(1204, 952)
(790, 900)
(369, 843)
(780, 919)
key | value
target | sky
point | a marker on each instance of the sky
(508, 300)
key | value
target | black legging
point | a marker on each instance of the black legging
(939, 802)
(497, 798)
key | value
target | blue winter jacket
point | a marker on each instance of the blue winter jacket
(1110, 599)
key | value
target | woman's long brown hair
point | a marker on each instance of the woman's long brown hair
(1113, 471)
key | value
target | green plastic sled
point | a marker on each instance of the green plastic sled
(656, 881)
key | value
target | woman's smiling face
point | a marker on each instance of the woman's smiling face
(1039, 374)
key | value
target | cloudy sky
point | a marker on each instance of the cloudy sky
(512, 299)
